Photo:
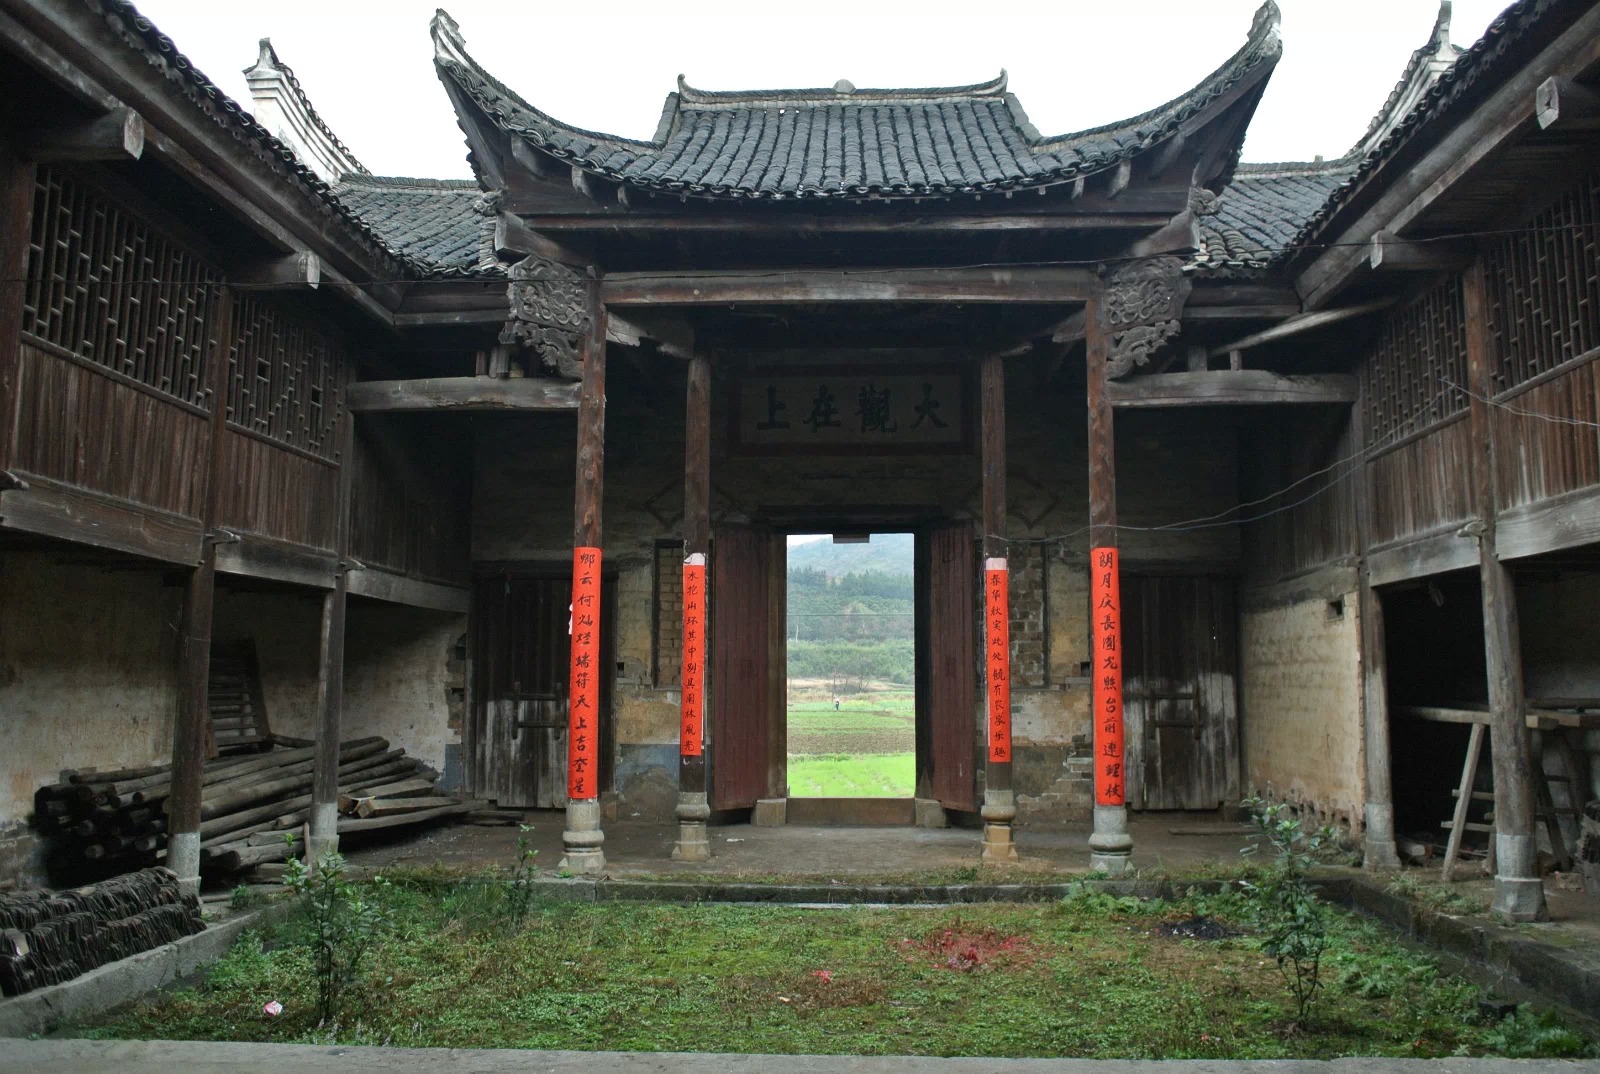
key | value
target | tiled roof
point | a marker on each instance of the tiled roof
(1514, 36)
(433, 222)
(844, 142)
(1261, 212)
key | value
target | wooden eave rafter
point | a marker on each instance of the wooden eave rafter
(72, 48)
(1460, 155)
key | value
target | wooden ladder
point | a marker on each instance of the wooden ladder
(1545, 809)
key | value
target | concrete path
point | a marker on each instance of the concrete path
(168, 1057)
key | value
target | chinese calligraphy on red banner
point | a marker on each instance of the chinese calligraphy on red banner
(583, 717)
(997, 657)
(692, 728)
(1105, 595)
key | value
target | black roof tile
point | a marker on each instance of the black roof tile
(437, 223)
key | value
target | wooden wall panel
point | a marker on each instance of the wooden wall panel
(411, 496)
(1297, 473)
(1423, 485)
(1558, 450)
(80, 426)
(277, 493)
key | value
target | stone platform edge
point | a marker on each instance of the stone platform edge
(116, 983)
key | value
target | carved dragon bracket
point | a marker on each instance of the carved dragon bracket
(1141, 310)
(549, 313)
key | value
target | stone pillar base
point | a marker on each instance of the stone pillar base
(322, 835)
(1110, 847)
(583, 839)
(1518, 891)
(770, 813)
(183, 858)
(930, 814)
(999, 810)
(1378, 851)
(693, 844)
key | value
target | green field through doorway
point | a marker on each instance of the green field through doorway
(851, 667)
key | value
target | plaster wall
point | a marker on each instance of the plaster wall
(1300, 706)
(1171, 467)
(88, 677)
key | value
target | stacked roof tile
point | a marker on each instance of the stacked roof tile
(844, 142)
(437, 223)
(1261, 212)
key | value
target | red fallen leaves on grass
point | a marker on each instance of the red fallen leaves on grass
(826, 975)
(965, 950)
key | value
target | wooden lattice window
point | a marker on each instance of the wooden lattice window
(284, 377)
(1416, 372)
(1544, 287)
(104, 285)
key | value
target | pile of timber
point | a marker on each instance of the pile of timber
(47, 937)
(252, 807)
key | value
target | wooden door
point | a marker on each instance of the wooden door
(745, 742)
(516, 739)
(947, 651)
(1180, 638)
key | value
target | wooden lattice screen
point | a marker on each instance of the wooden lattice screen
(107, 287)
(1416, 371)
(1544, 287)
(284, 378)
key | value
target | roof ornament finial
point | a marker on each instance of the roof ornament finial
(448, 44)
(1441, 27)
(844, 85)
(267, 58)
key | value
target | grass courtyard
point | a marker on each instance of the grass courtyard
(863, 749)
(1092, 976)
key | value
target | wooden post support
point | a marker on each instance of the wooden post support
(191, 730)
(582, 838)
(17, 181)
(1378, 850)
(1110, 847)
(693, 809)
(1518, 891)
(324, 834)
(999, 801)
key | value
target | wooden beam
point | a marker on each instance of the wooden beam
(1390, 253)
(1120, 178)
(462, 393)
(999, 799)
(1423, 557)
(1243, 387)
(322, 831)
(50, 509)
(1303, 323)
(975, 285)
(1170, 150)
(1378, 846)
(377, 584)
(1240, 313)
(251, 556)
(1501, 119)
(1561, 102)
(1549, 525)
(1179, 235)
(298, 271)
(787, 223)
(587, 185)
(117, 135)
(453, 318)
(513, 238)
(1518, 890)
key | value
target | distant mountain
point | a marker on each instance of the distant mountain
(888, 553)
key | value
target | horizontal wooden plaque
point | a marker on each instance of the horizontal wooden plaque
(851, 411)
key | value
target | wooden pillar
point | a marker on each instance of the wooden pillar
(191, 731)
(693, 809)
(324, 834)
(1378, 851)
(1518, 890)
(17, 180)
(999, 801)
(1110, 846)
(582, 839)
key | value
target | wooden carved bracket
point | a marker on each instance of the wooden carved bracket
(1142, 310)
(549, 313)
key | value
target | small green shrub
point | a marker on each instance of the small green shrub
(245, 897)
(1530, 1034)
(520, 894)
(344, 924)
(1292, 922)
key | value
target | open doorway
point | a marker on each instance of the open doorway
(850, 635)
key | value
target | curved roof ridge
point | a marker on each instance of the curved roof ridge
(268, 61)
(1422, 69)
(1263, 42)
(841, 92)
(367, 179)
(450, 55)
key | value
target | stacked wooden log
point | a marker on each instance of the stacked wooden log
(251, 807)
(47, 937)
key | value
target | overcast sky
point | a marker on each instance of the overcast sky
(368, 64)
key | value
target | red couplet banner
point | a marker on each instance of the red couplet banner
(691, 735)
(997, 657)
(1105, 596)
(583, 716)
